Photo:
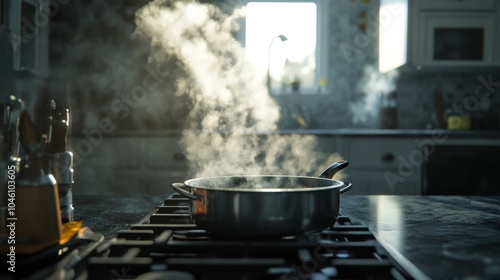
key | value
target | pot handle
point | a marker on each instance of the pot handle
(178, 187)
(333, 169)
(347, 187)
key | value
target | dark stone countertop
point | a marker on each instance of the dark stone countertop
(107, 214)
(446, 237)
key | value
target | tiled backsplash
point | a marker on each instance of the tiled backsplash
(416, 97)
(416, 106)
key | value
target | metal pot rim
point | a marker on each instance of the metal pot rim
(329, 184)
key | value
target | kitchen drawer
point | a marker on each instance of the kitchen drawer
(160, 184)
(374, 182)
(164, 152)
(108, 151)
(360, 184)
(125, 182)
(380, 153)
(115, 147)
(93, 176)
(455, 5)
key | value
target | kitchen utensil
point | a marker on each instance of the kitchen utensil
(37, 204)
(439, 106)
(265, 205)
(61, 160)
(388, 111)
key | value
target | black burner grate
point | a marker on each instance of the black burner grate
(168, 242)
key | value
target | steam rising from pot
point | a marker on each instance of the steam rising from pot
(374, 86)
(230, 126)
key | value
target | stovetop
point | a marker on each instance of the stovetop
(167, 245)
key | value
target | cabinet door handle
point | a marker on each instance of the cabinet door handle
(387, 157)
(179, 156)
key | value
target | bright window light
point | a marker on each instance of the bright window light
(293, 59)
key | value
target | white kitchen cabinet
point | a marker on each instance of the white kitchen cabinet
(382, 165)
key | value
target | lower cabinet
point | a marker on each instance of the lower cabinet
(128, 165)
(380, 165)
(379, 181)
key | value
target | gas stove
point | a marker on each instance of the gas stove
(166, 244)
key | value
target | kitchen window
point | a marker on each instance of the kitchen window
(282, 40)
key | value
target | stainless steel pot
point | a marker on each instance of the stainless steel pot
(265, 205)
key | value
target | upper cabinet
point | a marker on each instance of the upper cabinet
(28, 22)
(429, 34)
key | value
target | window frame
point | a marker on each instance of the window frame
(322, 38)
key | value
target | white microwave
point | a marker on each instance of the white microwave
(454, 39)
(427, 34)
